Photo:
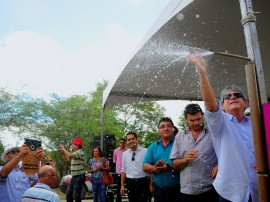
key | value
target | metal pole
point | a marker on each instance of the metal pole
(257, 129)
(253, 50)
(102, 128)
(252, 44)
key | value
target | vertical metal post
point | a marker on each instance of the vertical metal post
(258, 132)
(253, 48)
(102, 129)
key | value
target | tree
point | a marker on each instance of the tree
(143, 118)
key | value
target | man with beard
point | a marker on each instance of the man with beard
(137, 181)
(42, 191)
(194, 155)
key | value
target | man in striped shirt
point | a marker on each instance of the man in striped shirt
(42, 191)
(74, 189)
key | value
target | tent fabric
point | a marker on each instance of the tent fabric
(158, 69)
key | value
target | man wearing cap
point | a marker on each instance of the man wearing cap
(74, 189)
(14, 182)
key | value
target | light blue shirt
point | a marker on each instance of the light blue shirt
(40, 192)
(157, 152)
(233, 143)
(14, 185)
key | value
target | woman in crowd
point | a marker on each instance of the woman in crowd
(95, 166)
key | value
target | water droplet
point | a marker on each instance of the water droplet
(180, 16)
(197, 16)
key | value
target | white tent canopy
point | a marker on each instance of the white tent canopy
(156, 70)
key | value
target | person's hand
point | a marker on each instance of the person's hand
(190, 155)
(62, 148)
(122, 190)
(23, 150)
(151, 188)
(214, 172)
(198, 61)
(40, 153)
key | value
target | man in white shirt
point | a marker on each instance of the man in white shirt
(137, 181)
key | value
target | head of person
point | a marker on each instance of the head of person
(77, 144)
(9, 154)
(166, 128)
(122, 142)
(194, 117)
(233, 100)
(47, 175)
(97, 152)
(47, 161)
(132, 139)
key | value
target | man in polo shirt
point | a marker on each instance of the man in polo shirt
(43, 190)
(137, 181)
(14, 182)
(194, 155)
(117, 159)
(74, 189)
(157, 162)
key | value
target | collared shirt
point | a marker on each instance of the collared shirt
(133, 169)
(195, 177)
(40, 192)
(117, 158)
(78, 163)
(15, 184)
(157, 152)
(233, 143)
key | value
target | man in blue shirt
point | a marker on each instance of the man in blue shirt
(232, 138)
(42, 191)
(157, 162)
(14, 182)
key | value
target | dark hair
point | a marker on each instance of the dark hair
(99, 150)
(123, 139)
(175, 130)
(192, 109)
(165, 119)
(231, 88)
(132, 133)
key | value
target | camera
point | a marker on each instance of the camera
(33, 144)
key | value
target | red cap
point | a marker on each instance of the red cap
(77, 141)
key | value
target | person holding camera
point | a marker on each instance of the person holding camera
(77, 157)
(13, 181)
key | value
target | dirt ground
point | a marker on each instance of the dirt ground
(63, 196)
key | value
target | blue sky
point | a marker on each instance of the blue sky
(66, 47)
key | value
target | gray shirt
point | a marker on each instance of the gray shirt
(195, 177)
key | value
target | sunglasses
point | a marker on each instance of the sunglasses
(13, 152)
(133, 156)
(236, 95)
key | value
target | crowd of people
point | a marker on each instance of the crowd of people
(204, 162)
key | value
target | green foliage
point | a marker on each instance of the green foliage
(1, 150)
(141, 117)
(182, 124)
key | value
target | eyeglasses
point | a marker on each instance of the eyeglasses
(13, 152)
(133, 156)
(195, 120)
(236, 95)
